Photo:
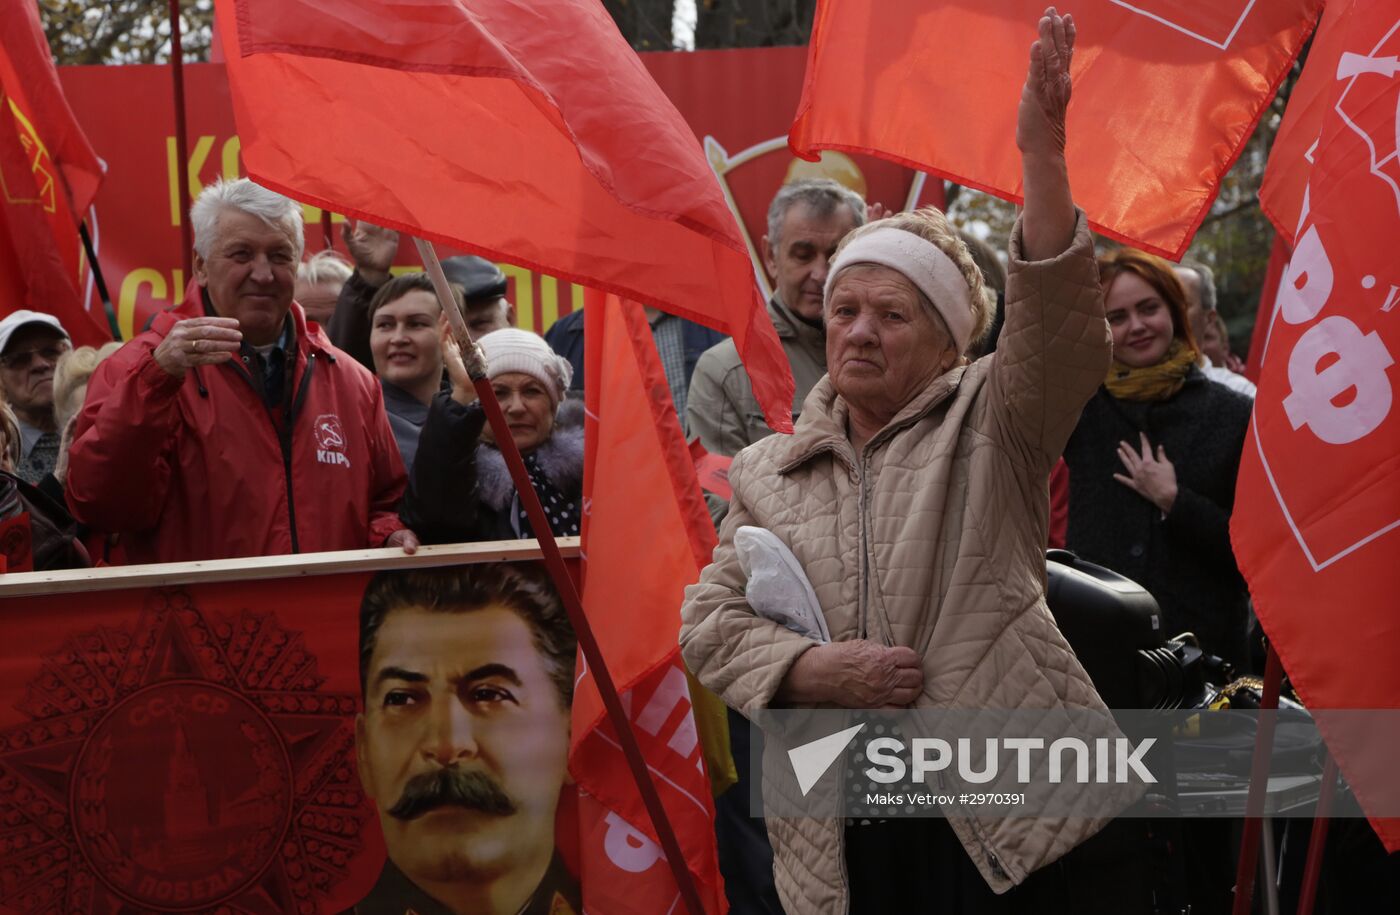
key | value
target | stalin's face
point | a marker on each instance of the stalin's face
(463, 746)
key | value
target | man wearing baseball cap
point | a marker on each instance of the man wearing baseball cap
(31, 343)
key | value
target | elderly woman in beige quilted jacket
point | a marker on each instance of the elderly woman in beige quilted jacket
(913, 493)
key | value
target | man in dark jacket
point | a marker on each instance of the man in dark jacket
(679, 343)
(242, 432)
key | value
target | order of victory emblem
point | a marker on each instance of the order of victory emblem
(183, 765)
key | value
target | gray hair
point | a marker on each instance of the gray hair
(823, 195)
(1207, 277)
(269, 206)
(324, 267)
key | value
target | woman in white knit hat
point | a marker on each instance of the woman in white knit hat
(460, 489)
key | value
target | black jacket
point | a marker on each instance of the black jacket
(1185, 559)
(565, 337)
(349, 326)
(395, 894)
(460, 490)
(406, 417)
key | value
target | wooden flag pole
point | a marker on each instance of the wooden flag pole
(1258, 785)
(554, 561)
(182, 158)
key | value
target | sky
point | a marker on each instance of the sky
(683, 24)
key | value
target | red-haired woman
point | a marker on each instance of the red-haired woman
(1153, 461)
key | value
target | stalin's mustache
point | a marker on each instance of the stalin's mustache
(456, 787)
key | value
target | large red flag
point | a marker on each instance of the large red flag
(48, 177)
(1165, 94)
(646, 534)
(531, 134)
(1317, 509)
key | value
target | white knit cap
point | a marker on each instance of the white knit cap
(513, 350)
(923, 264)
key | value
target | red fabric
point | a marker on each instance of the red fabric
(642, 501)
(16, 544)
(1158, 116)
(1268, 294)
(712, 470)
(48, 177)
(257, 679)
(535, 139)
(1316, 528)
(184, 475)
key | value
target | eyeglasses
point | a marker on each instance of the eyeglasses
(25, 358)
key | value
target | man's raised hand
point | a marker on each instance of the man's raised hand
(372, 248)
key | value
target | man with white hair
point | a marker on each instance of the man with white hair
(242, 432)
(1199, 282)
(319, 280)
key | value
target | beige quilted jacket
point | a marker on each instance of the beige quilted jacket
(933, 538)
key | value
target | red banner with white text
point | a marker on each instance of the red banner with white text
(1317, 522)
(738, 103)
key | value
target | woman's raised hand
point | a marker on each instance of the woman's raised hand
(462, 365)
(1040, 120)
(1048, 221)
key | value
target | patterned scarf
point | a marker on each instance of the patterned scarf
(563, 515)
(42, 459)
(1156, 382)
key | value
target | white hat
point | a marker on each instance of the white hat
(15, 320)
(513, 350)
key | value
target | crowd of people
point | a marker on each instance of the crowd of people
(300, 404)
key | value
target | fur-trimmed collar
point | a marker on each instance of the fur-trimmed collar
(561, 458)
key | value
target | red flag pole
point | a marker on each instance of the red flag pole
(568, 593)
(182, 164)
(1312, 870)
(1258, 786)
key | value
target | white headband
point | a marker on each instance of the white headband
(924, 265)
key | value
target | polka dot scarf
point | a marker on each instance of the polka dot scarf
(563, 514)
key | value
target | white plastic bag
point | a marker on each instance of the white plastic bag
(778, 588)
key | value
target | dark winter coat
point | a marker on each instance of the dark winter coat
(460, 489)
(406, 417)
(1184, 559)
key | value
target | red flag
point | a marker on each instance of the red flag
(535, 139)
(1165, 94)
(646, 534)
(1317, 520)
(48, 177)
(1268, 293)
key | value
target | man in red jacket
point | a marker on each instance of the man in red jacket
(242, 432)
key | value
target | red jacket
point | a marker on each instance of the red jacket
(196, 468)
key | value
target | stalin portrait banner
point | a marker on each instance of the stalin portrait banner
(369, 741)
